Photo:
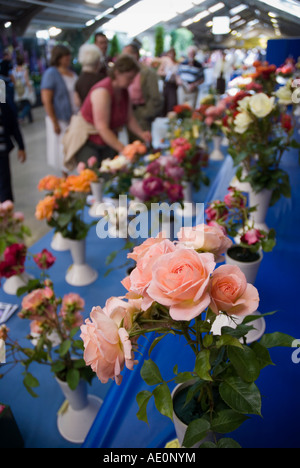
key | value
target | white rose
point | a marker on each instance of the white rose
(118, 162)
(244, 104)
(261, 105)
(242, 122)
(284, 96)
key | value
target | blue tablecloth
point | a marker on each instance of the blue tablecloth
(36, 417)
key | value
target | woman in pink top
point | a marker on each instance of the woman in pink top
(108, 108)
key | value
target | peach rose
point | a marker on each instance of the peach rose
(107, 348)
(49, 183)
(45, 208)
(140, 250)
(231, 293)
(119, 310)
(140, 278)
(204, 238)
(180, 281)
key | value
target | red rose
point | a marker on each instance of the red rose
(14, 259)
(286, 122)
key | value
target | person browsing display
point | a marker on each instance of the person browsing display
(107, 107)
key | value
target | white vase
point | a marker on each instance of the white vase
(97, 194)
(80, 273)
(216, 154)
(262, 201)
(59, 243)
(81, 409)
(12, 284)
(250, 269)
(222, 320)
(180, 426)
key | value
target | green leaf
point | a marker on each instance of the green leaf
(245, 363)
(228, 443)
(73, 377)
(196, 431)
(202, 365)
(58, 366)
(163, 400)
(142, 399)
(241, 396)
(64, 347)
(262, 354)
(79, 363)
(30, 380)
(228, 340)
(227, 421)
(155, 342)
(110, 258)
(150, 373)
(183, 377)
(275, 339)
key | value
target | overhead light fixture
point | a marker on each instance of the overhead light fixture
(187, 22)
(272, 15)
(53, 32)
(238, 9)
(216, 7)
(200, 16)
(221, 25)
(235, 18)
(90, 22)
(209, 24)
(94, 2)
(234, 33)
(7, 24)
(42, 34)
(240, 23)
(121, 3)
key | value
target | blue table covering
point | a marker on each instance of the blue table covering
(37, 417)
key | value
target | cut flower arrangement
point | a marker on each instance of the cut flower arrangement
(54, 324)
(233, 216)
(175, 288)
(259, 132)
(64, 202)
(12, 228)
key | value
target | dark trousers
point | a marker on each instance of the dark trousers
(91, 149)
(25, 110)
(5, 178)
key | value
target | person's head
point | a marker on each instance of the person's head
(124, 71)
(191, 52)
(133, 50)
(101, 41)
(89, 56)
(19, 60)
(172, 54)
(60, 56)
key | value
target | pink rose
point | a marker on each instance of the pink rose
(205, 238)
(180, 281)
(44, 259)
(231, 293)
(234, 199)
(137, 190)
(174, 192)
(122, 311)
(18, 216)
(107, 347)
(7, 205)
(140, 278)
(92, 161)
(80, 167)
(209, 121)
(153, 186)
(38, 305)
(252, 237)
(140, 250)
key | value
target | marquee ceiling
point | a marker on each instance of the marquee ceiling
(28, 16)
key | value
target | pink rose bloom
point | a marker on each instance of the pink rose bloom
(35, 327)
(154, 168)
(209, 121)
(137, 190)
(174, 172)
(234, 199)
(215, 224)
(140, 250)
(231, 293)
(18, 216)
(7, 205)
(180, 281)
(119, 310)
(140, 278)
(37, 305)
(205, 238)
(252, 237)
(92, 161)
(44, 259)
(107, 348)
(80, 167)
(174, 192)
(153, 186)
